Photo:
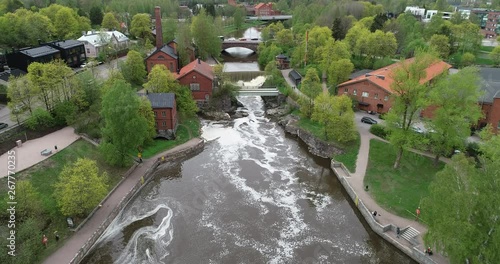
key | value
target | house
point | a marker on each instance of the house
(162, 54)
(295, 77)
(165, 110)
(283, 62)
(488, 22)
(20, 59)
(96, 42)
(199, 77)
(72, 51)
(373, 90)
(190, 50)
(263, 9)
(490, 101)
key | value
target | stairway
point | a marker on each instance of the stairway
(410, 234)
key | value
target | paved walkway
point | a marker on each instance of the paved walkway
(29, 153)
(290, 82)
(73, 244)
(356, 181)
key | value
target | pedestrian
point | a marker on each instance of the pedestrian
(418, 212)
(366, 188)
(398, 232)
(139, 155)
(429, 251)
(374, 213)
(45, 240)
(55, 148)
(56, 236)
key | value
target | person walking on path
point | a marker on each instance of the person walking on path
(45, 240)
(418, 213)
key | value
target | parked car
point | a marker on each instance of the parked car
(368, 120)
(3, 125)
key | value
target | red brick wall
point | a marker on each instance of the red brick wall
(167, 116)
(161, 58)
(205, 85)
(371, 89)
(494, 115)
(265, 10)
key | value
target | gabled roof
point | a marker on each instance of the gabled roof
(259, 5)
(383, 76)
(39, 51)
(356, 74)
(160, 100)
(102, 38)
(199, 66)
(164, 49)
(490, 84)
(295, 75)
(66, 44)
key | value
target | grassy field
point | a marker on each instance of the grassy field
(398, 190)
(45, 174)
(350, 156)
(188, 129)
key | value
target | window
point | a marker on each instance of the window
(88, 50)
(355, 92)
(164, 123)
(163, 113)
(171, 67)
(194, 86)
(386, 98)
(156, 113)
(365, 94)
(346, 90)
(375, 96)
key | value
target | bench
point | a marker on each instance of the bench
(46, 152)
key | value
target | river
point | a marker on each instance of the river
(252, 196)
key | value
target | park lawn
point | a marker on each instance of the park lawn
(399, 191)
(188, 128)
(350, 156)
(481, 60)
(486, 48)
(46, 173)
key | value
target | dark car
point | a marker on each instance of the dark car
(368, 120)
(3, 125)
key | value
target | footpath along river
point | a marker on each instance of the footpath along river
(252, 196)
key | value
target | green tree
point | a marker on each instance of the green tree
(124, 127)
(323, 112)
(468, 36)
(339, 71)
(169, 28)
(336, 115)
(311, 88)
(141, 26)
(40, 119)
(96, 15)
(184, 40)
(21, 94)
(461, 212)
(455, 99)
(284, 40)
(110, 22)
(28, 201)
(268, 53)
(239, 17)
(495, 55)
(66, 23)
(205, 36)
(147, 112)
(80, 188)
(409, 96)
(467, 59)
(441, 44)
(133, 69)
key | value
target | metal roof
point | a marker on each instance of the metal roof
(295, 75)
(66, 44)
(161, 100)
(39, 51)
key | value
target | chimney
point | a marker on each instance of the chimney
(159, 32)
(199, 60)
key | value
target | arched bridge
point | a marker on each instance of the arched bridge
(249, 44)
(257, 91)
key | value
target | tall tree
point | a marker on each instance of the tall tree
(184, 43)
(133, 69)
(66, 23)
(22, 95)
(336, 115)
(28, 201)
(96, 15)
(147, 112)
(80, 188)
(110, 22)
(239, 17)
(204, 35)
(311, 88)
(441, 44)
(455, 99)
(125, 128)
(339, 71)
(409, 96)
(141, 26)
(463, 215)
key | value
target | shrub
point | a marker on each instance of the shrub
(379, 131)
(40, 119)
(64, 113)
(380, 63)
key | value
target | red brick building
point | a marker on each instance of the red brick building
(373, 90)
(490, 101)
(263, 9)
(199, 77)
(165, 109)
(163, 54)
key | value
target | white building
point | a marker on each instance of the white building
(415, 10)
(96, 42)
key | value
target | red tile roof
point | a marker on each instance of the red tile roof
(199, 66)
(387, 72)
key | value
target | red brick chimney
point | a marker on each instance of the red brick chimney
(159, 32)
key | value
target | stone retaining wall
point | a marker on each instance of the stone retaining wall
(95, 236)
(381, 230)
